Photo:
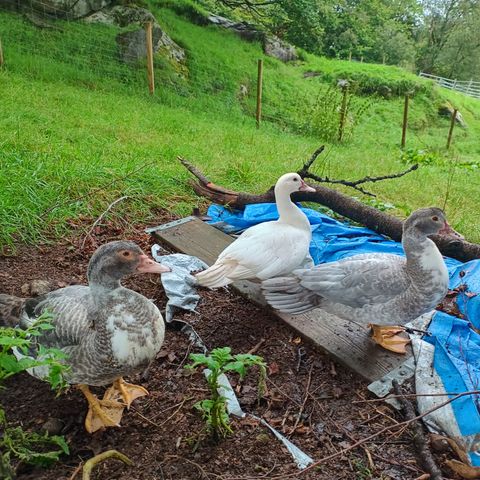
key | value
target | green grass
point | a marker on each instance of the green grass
(79, 131)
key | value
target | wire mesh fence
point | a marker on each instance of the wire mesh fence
(81, 51)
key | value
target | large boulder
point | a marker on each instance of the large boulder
(245, 30)
(274, 47)
(71, 9)
(132, 44)
(446, 110)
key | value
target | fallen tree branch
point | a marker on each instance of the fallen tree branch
(349, 207)
(425, 457)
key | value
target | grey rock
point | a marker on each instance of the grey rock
(274, 47)
(71, 9)
(37, 287)
(132, 44)
(53, 426)
(245, 30)
(446, 110)
(40, 287)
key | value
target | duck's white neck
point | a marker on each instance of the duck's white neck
(288, 212)
(423, 255)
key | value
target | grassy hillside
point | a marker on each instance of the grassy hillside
(79, 129)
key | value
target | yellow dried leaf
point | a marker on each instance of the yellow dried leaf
(465, 471)
(386, 336)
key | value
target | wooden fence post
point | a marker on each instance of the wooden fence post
(343, 109)
(2, 60)
(149, 44)
(405, 121)
(350, 56)
(450, 131)
(258, 115)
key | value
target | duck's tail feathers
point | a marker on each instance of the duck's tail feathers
(287, 295)
(10, 310)
(215, 276)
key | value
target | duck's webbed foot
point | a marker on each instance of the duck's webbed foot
(387, 337)
(121, 390)
(101, 413)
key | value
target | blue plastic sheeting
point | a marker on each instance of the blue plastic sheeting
(456, 360)
(331, 240)
(457, 346)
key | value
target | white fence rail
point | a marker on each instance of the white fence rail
(469, 87)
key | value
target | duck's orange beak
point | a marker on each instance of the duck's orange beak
(147, 265)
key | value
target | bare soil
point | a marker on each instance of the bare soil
(165, 436)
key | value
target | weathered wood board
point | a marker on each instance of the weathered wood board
(347, 342)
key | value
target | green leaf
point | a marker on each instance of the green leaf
(237, 366)
(222, 355)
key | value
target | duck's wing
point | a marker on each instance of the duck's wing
(70, 310)
(358, 281)
(261, 252)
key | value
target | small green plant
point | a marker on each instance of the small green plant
(323, 116)
(15, 346)
(21, 340)
(220, 361)
(422, 157)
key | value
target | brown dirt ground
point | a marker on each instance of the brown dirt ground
(162, 433)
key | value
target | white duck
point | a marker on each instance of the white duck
(381, 288)
(268, 249)
(107, 331)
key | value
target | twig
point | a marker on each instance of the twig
(190, 345)
(425, 457)
(202, 470)
(99, 219)
(393, 462)
(409, 395)
(370, 437)
(75, 472)
(305, 398)
(355, 183)
(304, 170)
(283, 393)
(89, 464)
(176, 411)
(255, 348)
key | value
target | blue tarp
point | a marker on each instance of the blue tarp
(457, 345)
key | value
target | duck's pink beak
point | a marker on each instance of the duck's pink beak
(447, 230)
(147, 265)
(305, 188)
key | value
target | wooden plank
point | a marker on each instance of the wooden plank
(348, 342)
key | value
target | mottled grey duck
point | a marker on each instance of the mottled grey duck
(382, 290)
(106, 331)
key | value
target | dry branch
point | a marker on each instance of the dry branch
(425, 457)
(378, 221)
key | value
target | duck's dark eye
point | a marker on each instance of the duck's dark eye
(126, 253)
(435, 219)
(295, 179)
